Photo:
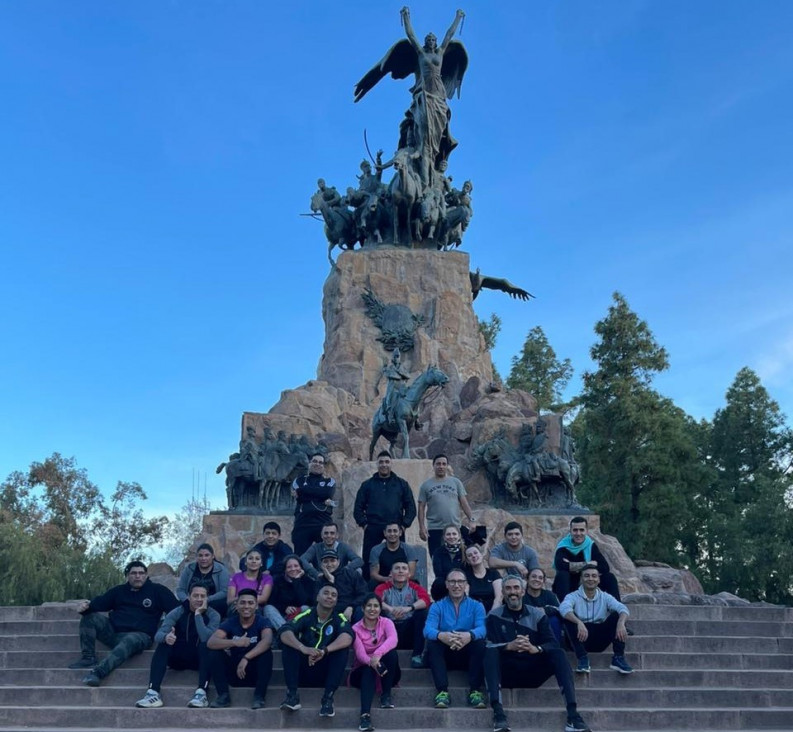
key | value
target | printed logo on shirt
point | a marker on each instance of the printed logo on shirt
(147, 602)
(254, 638)
(329, 630)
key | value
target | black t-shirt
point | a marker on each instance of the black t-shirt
(546, 597)
(482, 588)
(204, 579)
(389, 558)
(233, 629)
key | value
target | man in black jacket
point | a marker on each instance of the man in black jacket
(314, 503)
(135, 610)
(315, 645)
(523, 653)
(383, 499)
(349, 583)
(573, 552)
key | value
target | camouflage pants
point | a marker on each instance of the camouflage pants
(122, 645)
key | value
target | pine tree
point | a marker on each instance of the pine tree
(636, 448)
(538, 371)
(746, 526)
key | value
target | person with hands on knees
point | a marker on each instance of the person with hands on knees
(314, 650)
(512, 555)
(375, 663)
(594, 620)
(455, 633)
(241, 653)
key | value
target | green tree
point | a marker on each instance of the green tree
(59, 539)
(538, 371)
(490, 330)
(637, 450)
(183, 530)
(745, 518)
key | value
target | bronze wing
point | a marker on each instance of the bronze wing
(400, 61)
(455, 63)
(496, 283)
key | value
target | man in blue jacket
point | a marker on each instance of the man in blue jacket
(135, 609)
(455, 633)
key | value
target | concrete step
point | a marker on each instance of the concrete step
(417, 696)
(710, 612)
(458, 717)
(637, 643)
(600, 678)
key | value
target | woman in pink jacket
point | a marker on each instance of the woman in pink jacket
(376, 662)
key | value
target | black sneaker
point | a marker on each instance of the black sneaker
(385, 701)
(575, 723)
(292, 701)
(258, 702)
(326, 708)
(84, 662)
(366, 723)
(223, 701)
(91, 679)
(500, 720)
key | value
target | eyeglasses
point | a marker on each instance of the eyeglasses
(456, 582)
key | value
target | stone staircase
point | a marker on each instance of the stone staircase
(696, 667)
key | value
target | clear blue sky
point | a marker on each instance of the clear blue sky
(157, 280)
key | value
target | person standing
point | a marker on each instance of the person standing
(314, 503)
(383, 499)
(442, 498)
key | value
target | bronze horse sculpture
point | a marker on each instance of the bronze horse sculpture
(405, 412)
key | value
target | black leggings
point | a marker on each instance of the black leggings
(365, 679)
(179, 656)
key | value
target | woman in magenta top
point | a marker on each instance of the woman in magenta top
(252, 578)
(375, 660)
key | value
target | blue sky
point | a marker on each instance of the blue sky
(158, 281)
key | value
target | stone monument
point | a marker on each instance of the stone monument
(403, 356)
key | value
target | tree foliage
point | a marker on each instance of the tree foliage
(744, 522)
(60, 539)
(182, 531)
(490, 330)
(538, 371)
(637, 449)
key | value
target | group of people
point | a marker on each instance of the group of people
(493, 619)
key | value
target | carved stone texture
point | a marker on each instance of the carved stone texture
(433, 285)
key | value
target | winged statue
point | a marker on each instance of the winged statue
(439, 72)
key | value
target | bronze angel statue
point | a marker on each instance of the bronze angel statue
(439, 74)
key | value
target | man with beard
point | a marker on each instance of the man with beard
(523, 653)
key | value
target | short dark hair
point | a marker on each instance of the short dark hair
(206, 547)
(134, 563)
(197, 583)
(511, 526)
(248, 591)
(439, 456)
(590, 565)
(383, 453)
(579, 520)
(272, 525)
(325, 584)
(315, 454)
(330, 523)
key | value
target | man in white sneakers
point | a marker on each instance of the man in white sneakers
(182, 644)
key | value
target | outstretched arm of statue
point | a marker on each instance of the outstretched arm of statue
(409, 32)
(452, 30)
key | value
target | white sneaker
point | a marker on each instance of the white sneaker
(150, 701)
(199, 700)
